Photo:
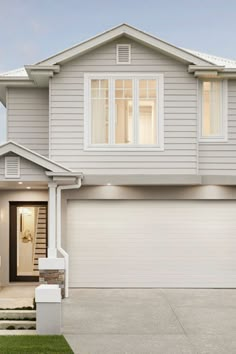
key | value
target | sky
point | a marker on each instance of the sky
(31, 30)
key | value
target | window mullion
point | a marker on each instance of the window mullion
(135, 110)
(111, 111)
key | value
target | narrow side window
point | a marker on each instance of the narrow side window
(213, 125)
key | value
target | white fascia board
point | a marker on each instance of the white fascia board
(3, 95)
(206, 74)
(64, 178)
(41, 74)
(142, 180)
(15, 81)
(212, 72)
(54, 68)
(220, 180)
(193, 68)
(31, 156)
(117, 32)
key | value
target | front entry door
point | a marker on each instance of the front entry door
(28, 239)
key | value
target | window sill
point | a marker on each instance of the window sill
(123, 148)
(213, 141)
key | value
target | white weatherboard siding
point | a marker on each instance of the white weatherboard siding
(220, 159)
(158, 243)
(180, 107)
(28, 112)
(28, 171)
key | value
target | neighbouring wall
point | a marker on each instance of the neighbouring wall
(5, 198)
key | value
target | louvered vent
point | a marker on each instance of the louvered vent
(123, 53)
(12, 167)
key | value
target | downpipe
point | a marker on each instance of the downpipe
(59, 247)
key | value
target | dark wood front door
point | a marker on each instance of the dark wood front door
(28, 239)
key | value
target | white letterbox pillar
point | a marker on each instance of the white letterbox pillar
(48, 309)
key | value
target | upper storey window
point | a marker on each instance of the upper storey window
(124, 112)
(213, 127)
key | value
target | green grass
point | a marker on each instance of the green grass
(34, 345)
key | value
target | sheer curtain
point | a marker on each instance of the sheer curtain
(99, 112)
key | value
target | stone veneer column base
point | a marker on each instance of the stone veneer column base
(53, 276)
(52, 271)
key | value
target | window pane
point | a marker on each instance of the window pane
(99, 111)
(123, 112)
(147, 112)
(211, 110)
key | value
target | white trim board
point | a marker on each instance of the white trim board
(32, 156)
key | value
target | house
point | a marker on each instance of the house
(119, 168)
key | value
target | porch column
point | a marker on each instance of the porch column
(52, 250)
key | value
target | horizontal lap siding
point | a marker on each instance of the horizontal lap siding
(28, 118)
(28, 171)
(220, 159)
(180, 107)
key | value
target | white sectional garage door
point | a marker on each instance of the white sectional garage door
(143, 243)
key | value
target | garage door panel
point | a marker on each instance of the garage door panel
(151, 243)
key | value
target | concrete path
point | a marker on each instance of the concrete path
(150, 321)
(16, 296)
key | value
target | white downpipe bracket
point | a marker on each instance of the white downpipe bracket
(59, 247)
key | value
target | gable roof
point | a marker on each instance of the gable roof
(128, 31)
(32, 156)
(39, 73)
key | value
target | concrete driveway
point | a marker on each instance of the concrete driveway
(150, 321)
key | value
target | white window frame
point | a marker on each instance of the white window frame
(224, 113)
(111, 77)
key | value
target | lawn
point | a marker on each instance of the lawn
(34, 345)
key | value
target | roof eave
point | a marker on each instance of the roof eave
(215, 71)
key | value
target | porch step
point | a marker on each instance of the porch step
(16, 325)
(17, 314)
(17, 332)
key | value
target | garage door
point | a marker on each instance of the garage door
(152, 243)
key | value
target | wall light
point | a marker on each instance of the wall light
(108, 184)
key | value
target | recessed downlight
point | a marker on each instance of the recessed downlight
(108, 184)
(28, 187)
(20, 182)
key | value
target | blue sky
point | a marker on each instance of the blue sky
(31, 30)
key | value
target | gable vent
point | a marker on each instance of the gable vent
(123, 53)
(12, 167)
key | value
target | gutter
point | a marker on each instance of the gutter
(59, 247)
